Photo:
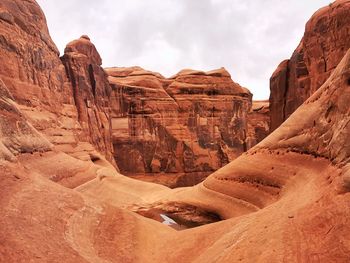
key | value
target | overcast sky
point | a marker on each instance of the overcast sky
(247, 37)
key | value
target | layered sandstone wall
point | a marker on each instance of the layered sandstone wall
(258, 122)
(325, 42)
(194, 122)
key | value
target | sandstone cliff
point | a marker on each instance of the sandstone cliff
(190, 124)
(91, 93)
(17, 135)
(326, 39)
(258, 122)
(55, 105)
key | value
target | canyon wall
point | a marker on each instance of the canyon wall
(66, 102)
(190, 124)
(258, 122)
(285, 200)
(325, 42)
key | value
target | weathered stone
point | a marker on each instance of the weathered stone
(91, 93)
(258, 123)
(32, 71)
(190, 123)
(326, 39)
(18, 136)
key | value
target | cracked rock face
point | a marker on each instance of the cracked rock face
(28, 57)
(192, 122)
(325, 42)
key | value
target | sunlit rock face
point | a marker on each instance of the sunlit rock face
(324, 44)
(29, 61)
(192, 122)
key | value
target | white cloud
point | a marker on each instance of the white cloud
(248, 37)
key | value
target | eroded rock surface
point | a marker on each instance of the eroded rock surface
(17, 135)
(91, 93)
(326, 39)
(38, 81)
(194, 122)
(258, 123)
(190, 124)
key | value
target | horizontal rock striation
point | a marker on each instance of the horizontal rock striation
(192, 122)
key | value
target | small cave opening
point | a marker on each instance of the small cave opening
(98, 160)
(349, 81)
(94, 158)
(179, 216)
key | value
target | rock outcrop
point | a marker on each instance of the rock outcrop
(258, 123)
(188, 125)
(298, 177)
(17, 135)
(30, 64)
(138, 101)
(91, 93)
(326, 39)
(37, 80)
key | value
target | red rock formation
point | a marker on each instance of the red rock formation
(214, 108)
(140, 105)
(285, 200)
(300, 176)
(193, 122)
(29, 59)
(91, 93)
(17, 135)
(157, 121)
(297, 178)
(31, 69)
(258, 123)
(325, 42)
